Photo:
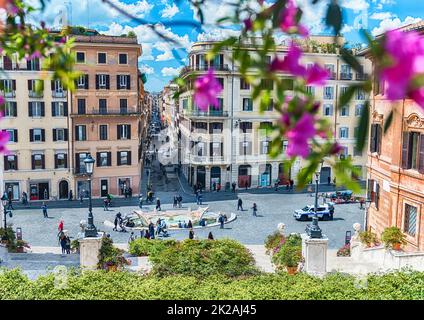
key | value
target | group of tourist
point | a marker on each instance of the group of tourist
(64, 238)
(240, 207)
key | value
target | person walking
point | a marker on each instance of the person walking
(221, 221)
(255, 210)
(190, 224)
(158, 204)
(200, 198)
(60, 226)
(328, 180)
(174, 204)
(218, 187)
(131, 238)
(233, 185)
(239, 204)
(152, 230)
(105, 205)
(62, 240)
(180, 200)
(117, 221)
(291, 184)
(68, 244)
(24, 198)
(9, 200)
(44, 208)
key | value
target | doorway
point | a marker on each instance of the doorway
(201, 176)
(43, 191)
(325, 174)
(63, 189)
(104, 188)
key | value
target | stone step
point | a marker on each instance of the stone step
(43, 257)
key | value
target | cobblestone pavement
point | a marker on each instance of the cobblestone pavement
(250, 230)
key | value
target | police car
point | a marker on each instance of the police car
(324, 211)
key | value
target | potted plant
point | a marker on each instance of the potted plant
(274, 242)
(368, 238)
(344, 251)
(21, 245)
(393, 238)
(289, 257)
(75, 246)
(110, 257)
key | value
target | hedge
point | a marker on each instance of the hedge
(125, 285)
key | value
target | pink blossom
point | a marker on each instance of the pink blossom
(316, 75)
(299, 135)
(1, 103)
(206, 89)
(335, 148)
(288, 20)
(10, 7)
(4, 139)
(290, 63)
(285, 119)
(35, 54)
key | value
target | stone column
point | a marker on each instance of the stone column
(207, 178)
(315, 253)
(89, 251)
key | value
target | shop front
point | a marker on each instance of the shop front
(13, 189)
(39, 190)
(215, 177)
(244, 176)
(265, 175)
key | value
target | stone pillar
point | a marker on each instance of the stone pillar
(315, 253)
(208, 178)
(89, 251)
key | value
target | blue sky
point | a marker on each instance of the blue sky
(158, 61)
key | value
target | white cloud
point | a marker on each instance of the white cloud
(169, 11)
(146, 69)
(171, 72)
(313, 15)
(382, 15)
(390, 24)
(138, 9)
(355, 5)
(216, 34)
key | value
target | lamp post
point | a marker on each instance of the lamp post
(314, 231)
(90, 230)
(4, 201)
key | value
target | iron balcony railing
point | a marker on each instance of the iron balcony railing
(362, 76)
(205, 67)
(104, 111)
(36, 94)
(59, 94)
(345, 76)
(212, 113)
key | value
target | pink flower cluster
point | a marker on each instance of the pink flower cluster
(10, 6)
(314, 75)
(299, 136)
(206, 89)
(406, 55)
(288, 20)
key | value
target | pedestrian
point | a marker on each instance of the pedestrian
(68, 244)
(191, 234)
(62, 240)
(9, 200)
(190, 224)
(132, 237)
(71, 195)
(147, 234)
(174, 204)
(276, 184)
(328, 180)
(291, 184)
(130, 192)
(210, 236)
(158, 204)
(140, 201)
(221, 221)
(44, 208)
(218, 187)
(151, 230)
(180, 201)
(117, 221)
(24, 198)
(255, 210)
(233, 185)
(105, 205)
(214, 186)
(60, 226)
(239, 204)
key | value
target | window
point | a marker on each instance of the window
(80, 57)
(81, 106)
(60, 160)
(80, 133)
(124, 158)
(102, 81)
(246, 127)
(33, 64)
(104, 159)
(355, 132)
(57, 89)
(410, 220)
(360, 94)
(199, 149)
(201, 127)
(329, 93)
(245, 148)
(103, 132)
(9, 87)
(310, 90)
(356, 152)
(123, 58)
(374, 192)
(413, 151)
(10, 109)
(124, 131)
(59, 109)
(82, 82)
(221, 82)
(13, 135)
(123, 106)
(36, 88)
(358, 110)
(330, 69)
(60, 134)
(247, 104)
(101, 58)
(79, 161)
(345, 73)
(265, 147)
(36, 109)
(10, 162)
(267, 84)
(215, 149)
(344, 133)
(343, 90)
(328, 109)
(270, 106)
(185, 103)
(102, 106)
(38, 161)
(123, 81)
(37, 135)
(244, 85)
(375, 139)
(344, 111)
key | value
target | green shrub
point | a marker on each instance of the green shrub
(274, 241)
(288, 256)
(145, 247)
(391, 236)
(201, 258)
(110, 256)
(368, 238)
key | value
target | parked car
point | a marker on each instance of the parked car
(345, 195)
(324, 211)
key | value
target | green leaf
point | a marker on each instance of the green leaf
(334, 17)
(351, 60)
(363, 127)
(347, 96)
(388, 121)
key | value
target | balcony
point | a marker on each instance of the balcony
(109, 112)
(187, 69)
(59, 94)
(13, 66)
(362, 76)
(8, 94)
(332, 75)
(345, 76)
(35, 94)
(205, 114)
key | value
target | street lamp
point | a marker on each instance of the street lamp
(314, 231)
(90, 230)
(4, 201)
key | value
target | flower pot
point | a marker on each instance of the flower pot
(20, 249)
(112, 268)
(396, 246)
(291, 270)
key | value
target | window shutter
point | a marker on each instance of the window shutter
(65, 109)
(379, 138)
(98, 159)
(53, 110)
(14, 84)
(77, 167)
(43, 109)
(15, 133)
(66, 160)
(30, 85)
(32, 162)
(6, 163)
(129, 157)
(118, 159)
(129, 131)
(107, 82)
(54, 135)
(66, 133)
(16, 162)
(109, 159)
(421, 155)
(117, 82)
(43, 161)
(15, 109)
(31, 135)
(28, 64)
(43, 135)
(55, 160)
(377, 195)
(405, 147)
(30, 109)
(86, 82)
(52, 85)
(372, 138)
(118, 133)
(128, 82)
(97, 81)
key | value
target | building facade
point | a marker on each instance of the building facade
(396, 166)
(36, 116)
(228, 144)
(106, 114)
